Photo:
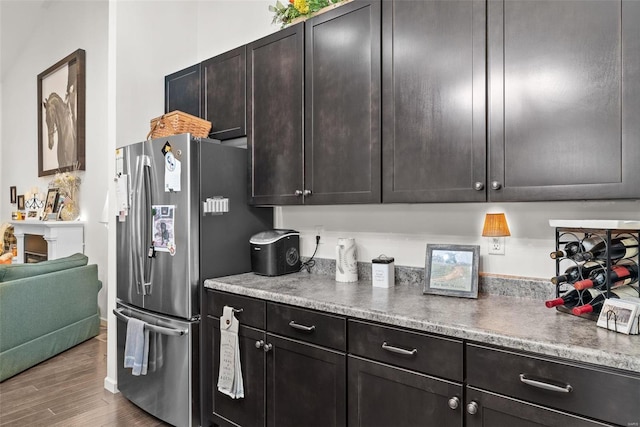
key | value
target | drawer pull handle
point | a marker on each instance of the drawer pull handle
(300, 327)
(398, 350)
(545, 385)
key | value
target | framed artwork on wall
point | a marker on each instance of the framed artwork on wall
(61, 115)
(13, 194)
(21, 202)
(452, 270)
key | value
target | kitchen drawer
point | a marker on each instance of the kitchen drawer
(305, 325)
(607, 395)
(252, 310)
(419, 352)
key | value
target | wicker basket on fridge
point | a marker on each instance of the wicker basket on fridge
(177, 122)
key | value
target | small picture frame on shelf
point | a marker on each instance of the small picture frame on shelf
(21, 202)
(452, 270)
(51, 202)
(620, 316)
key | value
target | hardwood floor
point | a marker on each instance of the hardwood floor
(68, 390)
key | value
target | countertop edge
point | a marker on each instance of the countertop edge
(593, 356)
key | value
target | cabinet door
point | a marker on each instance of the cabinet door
(223, 86)
(342, 105)
(275, 115)
(382, 395)
(564, 99)
(182, 91)
(305, 385)
(250, 410)
(433, 72)
(493, 410)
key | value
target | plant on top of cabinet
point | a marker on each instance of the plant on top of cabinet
(223, 90)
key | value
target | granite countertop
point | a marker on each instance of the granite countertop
(517, 323)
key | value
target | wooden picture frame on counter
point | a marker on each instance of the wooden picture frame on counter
(452, 270)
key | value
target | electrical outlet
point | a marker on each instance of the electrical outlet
(320, 232)
(496, 246)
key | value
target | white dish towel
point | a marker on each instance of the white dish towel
(230, 375)
(136, 347)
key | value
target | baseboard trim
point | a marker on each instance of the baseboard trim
(111, 385)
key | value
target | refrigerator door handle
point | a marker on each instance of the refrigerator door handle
(137, 244)
(147, 225)
(153, 328)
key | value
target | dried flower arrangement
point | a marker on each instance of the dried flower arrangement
(285, 15)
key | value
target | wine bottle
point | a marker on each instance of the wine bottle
(570, 299)
(620, 274)
(595, 305)
(577, 272)
(620, 248)
(576, 247)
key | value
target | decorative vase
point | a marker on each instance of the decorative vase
(70, 210)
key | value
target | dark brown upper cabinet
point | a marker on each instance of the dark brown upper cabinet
(434, 80)
(342, 105)
(564, 100)
(224, 96)
(275, 116)
(182, 91)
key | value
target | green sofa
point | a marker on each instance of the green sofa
(45, 309)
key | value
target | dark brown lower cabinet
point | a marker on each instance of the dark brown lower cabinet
(486, 409)
(305, 384)
(384, 395)
(250, 410)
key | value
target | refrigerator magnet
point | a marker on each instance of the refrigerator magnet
(171, 173)
(163, 228)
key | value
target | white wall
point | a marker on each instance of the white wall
(46, 32)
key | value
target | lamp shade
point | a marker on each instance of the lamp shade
(495, 225)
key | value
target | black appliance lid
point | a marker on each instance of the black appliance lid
(272, 236)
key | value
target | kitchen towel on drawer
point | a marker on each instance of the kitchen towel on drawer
(310, 326)
(420, 352)
(607, 395)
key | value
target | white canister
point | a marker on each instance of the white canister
(382, 272)
(346, 260)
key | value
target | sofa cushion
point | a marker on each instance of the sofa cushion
(20, 271)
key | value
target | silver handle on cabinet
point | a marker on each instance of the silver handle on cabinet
(268, 347)
(259, 344)
(399, 350)
(454, 402)
(298, 193)
(495, 185)
(544, 385)
(307, 192)
(478, 186)
(472, 408)
(300, 327)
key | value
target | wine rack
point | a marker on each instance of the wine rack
(604, 231)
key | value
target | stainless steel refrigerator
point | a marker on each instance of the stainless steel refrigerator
(183, 218)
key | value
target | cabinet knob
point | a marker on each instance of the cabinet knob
(495, 185)
(307, 192)
(478, 186)
(454, 402)
(268, 347)
(259, 344)
(472, 408)
(298, 193)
